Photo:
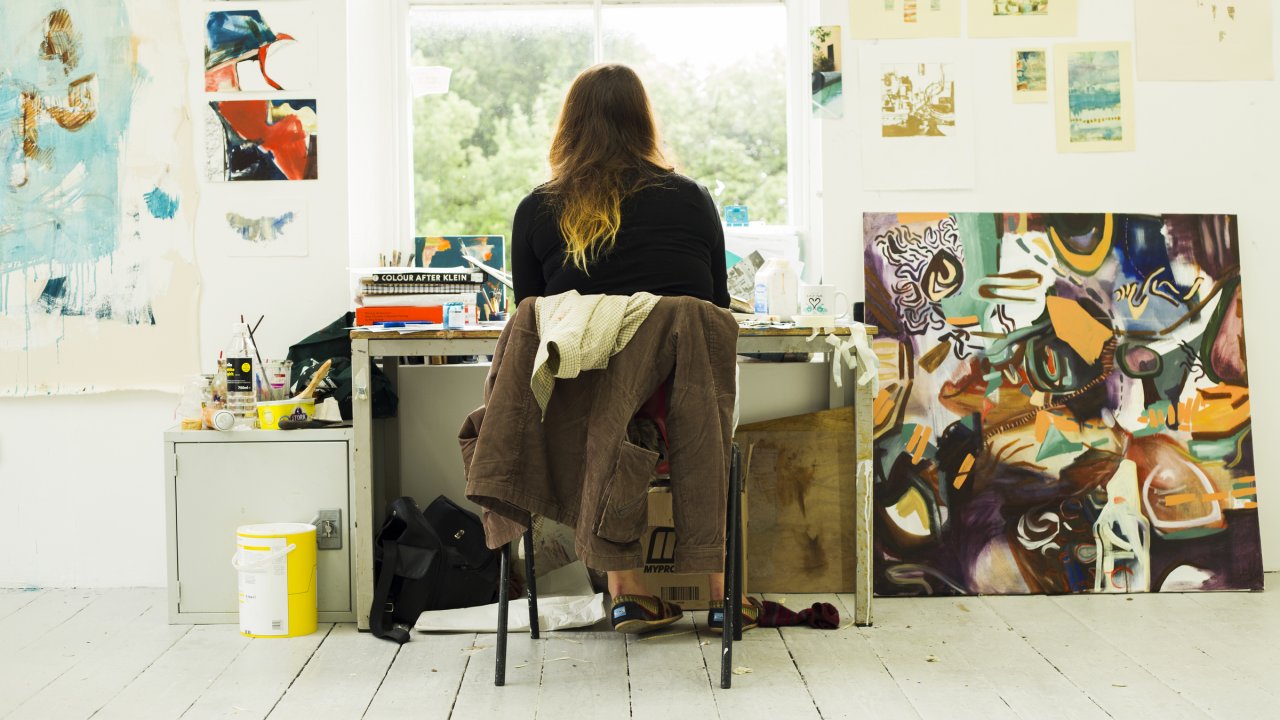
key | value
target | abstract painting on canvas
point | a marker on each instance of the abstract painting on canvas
(1063, 404)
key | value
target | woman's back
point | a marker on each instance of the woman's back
(669, 242)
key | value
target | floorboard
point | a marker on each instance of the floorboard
(257, 678)
(340, 680)
(1165, 635)
(1115, 682)
(424, 679)
(14, 599)
(932, 662)
(176, 679)
(100, 623)
(478, 699)
(766, 682)
(830, 661)
(47, 611)
(584, 676)
(668, 674)
(101, 674)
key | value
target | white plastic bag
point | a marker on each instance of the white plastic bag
(565, 600)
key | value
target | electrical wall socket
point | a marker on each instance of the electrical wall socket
(329, 530)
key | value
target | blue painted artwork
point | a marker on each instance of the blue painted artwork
(1093, 94)
(161, 204)
(66, 89)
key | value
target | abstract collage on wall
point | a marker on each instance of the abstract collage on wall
(827, 73)
(1063, 405)
(96, 213)
(260, 50)
(262, 140)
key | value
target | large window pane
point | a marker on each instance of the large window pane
(717, 78)
(482, 146)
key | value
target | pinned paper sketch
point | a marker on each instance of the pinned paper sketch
(264, 49)
(915, 117)
(828, 73)
(1013, 18)
(1204, 39)
(261, 227)
(1030, 76)
(1064, 404)
(917, 100)
(261, 140)
(96, 289)
(1094, 98)
(904, 18)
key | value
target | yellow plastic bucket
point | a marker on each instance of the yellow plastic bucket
(277, 567)
(271, 413)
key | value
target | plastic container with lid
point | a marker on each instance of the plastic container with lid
(777, 288)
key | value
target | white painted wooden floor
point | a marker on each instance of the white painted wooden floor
(110, 654)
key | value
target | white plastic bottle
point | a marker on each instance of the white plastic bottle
(239, 366)
(777, 289)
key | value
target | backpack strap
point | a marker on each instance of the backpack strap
(378, 612)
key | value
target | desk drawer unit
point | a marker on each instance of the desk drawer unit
(216, 482)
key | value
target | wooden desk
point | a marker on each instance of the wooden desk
(390, 346)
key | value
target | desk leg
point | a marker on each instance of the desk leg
(362, 422)
(864, 428)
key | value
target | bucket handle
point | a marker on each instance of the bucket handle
(238, 562)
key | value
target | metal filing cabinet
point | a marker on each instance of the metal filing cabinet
(218, 481)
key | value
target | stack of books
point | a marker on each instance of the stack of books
(410, 294)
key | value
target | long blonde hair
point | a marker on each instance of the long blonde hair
(605, 148)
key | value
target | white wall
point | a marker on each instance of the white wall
(81, 500)
(1201, 147)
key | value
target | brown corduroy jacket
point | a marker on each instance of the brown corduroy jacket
(576, 466)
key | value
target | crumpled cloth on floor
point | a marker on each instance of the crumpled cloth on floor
(822, 616)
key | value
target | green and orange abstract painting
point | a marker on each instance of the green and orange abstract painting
(1063, 404)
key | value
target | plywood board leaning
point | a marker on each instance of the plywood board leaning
(801, 472)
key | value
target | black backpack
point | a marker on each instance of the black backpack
(333, 342)
(428, 560)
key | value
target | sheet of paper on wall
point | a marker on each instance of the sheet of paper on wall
(1093, 88)
(267, 225)
(1064, 404)
(827, 72)
(1022, 18)
(98, 288)
(1199, 40)
(261, 139)
(264, 49)
(917, 116)
(429, 80)
(869, 19)
(1030, 72)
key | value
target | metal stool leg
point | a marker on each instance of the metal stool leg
(531, 582)
(732, 629)
(504, 564)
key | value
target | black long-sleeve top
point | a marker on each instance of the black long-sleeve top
(670, 242)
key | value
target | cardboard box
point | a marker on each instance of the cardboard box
(658, 544)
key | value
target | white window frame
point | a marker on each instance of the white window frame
(800, 127)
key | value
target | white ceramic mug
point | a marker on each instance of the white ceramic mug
(822, 300)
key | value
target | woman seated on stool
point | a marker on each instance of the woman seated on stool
(616, 219)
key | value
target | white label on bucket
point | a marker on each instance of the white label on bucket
(264, 586)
